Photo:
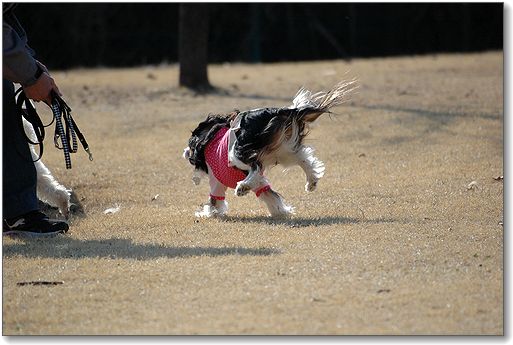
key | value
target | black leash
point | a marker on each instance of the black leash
(66, 128)
(28, 112)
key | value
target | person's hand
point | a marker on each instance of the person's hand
(40, 91)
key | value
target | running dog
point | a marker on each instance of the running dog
(235, 150)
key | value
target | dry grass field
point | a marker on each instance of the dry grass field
(393, 241)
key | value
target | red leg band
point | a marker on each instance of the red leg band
(262, 190)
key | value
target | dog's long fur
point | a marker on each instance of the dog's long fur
(266, 137)
(49, 190)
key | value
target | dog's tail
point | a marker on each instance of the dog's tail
(312, 105)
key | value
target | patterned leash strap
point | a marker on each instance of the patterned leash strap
(66, 130)
(59, 133)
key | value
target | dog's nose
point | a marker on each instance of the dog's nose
(186, 152)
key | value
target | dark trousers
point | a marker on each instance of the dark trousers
(19, 172)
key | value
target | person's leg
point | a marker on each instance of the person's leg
(21, 215)
(19, 172)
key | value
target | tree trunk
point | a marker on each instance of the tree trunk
(192, 46)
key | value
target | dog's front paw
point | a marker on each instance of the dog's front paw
(206, 212)
(64, 202)
(209, 211)
(242, 189)
(66, 213)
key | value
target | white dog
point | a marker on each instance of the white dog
(49, 190)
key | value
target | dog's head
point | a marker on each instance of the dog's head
(201, 136)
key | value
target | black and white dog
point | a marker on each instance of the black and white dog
(236, 149)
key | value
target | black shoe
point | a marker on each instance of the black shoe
(34, 224)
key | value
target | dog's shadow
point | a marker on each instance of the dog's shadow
(300, 222)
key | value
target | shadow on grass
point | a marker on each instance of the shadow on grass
(300, 222)
(64, 246)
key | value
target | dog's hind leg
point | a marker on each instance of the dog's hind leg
(311, 165)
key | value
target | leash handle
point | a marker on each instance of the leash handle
(66, 128)
(62, 114)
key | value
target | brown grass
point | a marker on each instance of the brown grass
(392, 242)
